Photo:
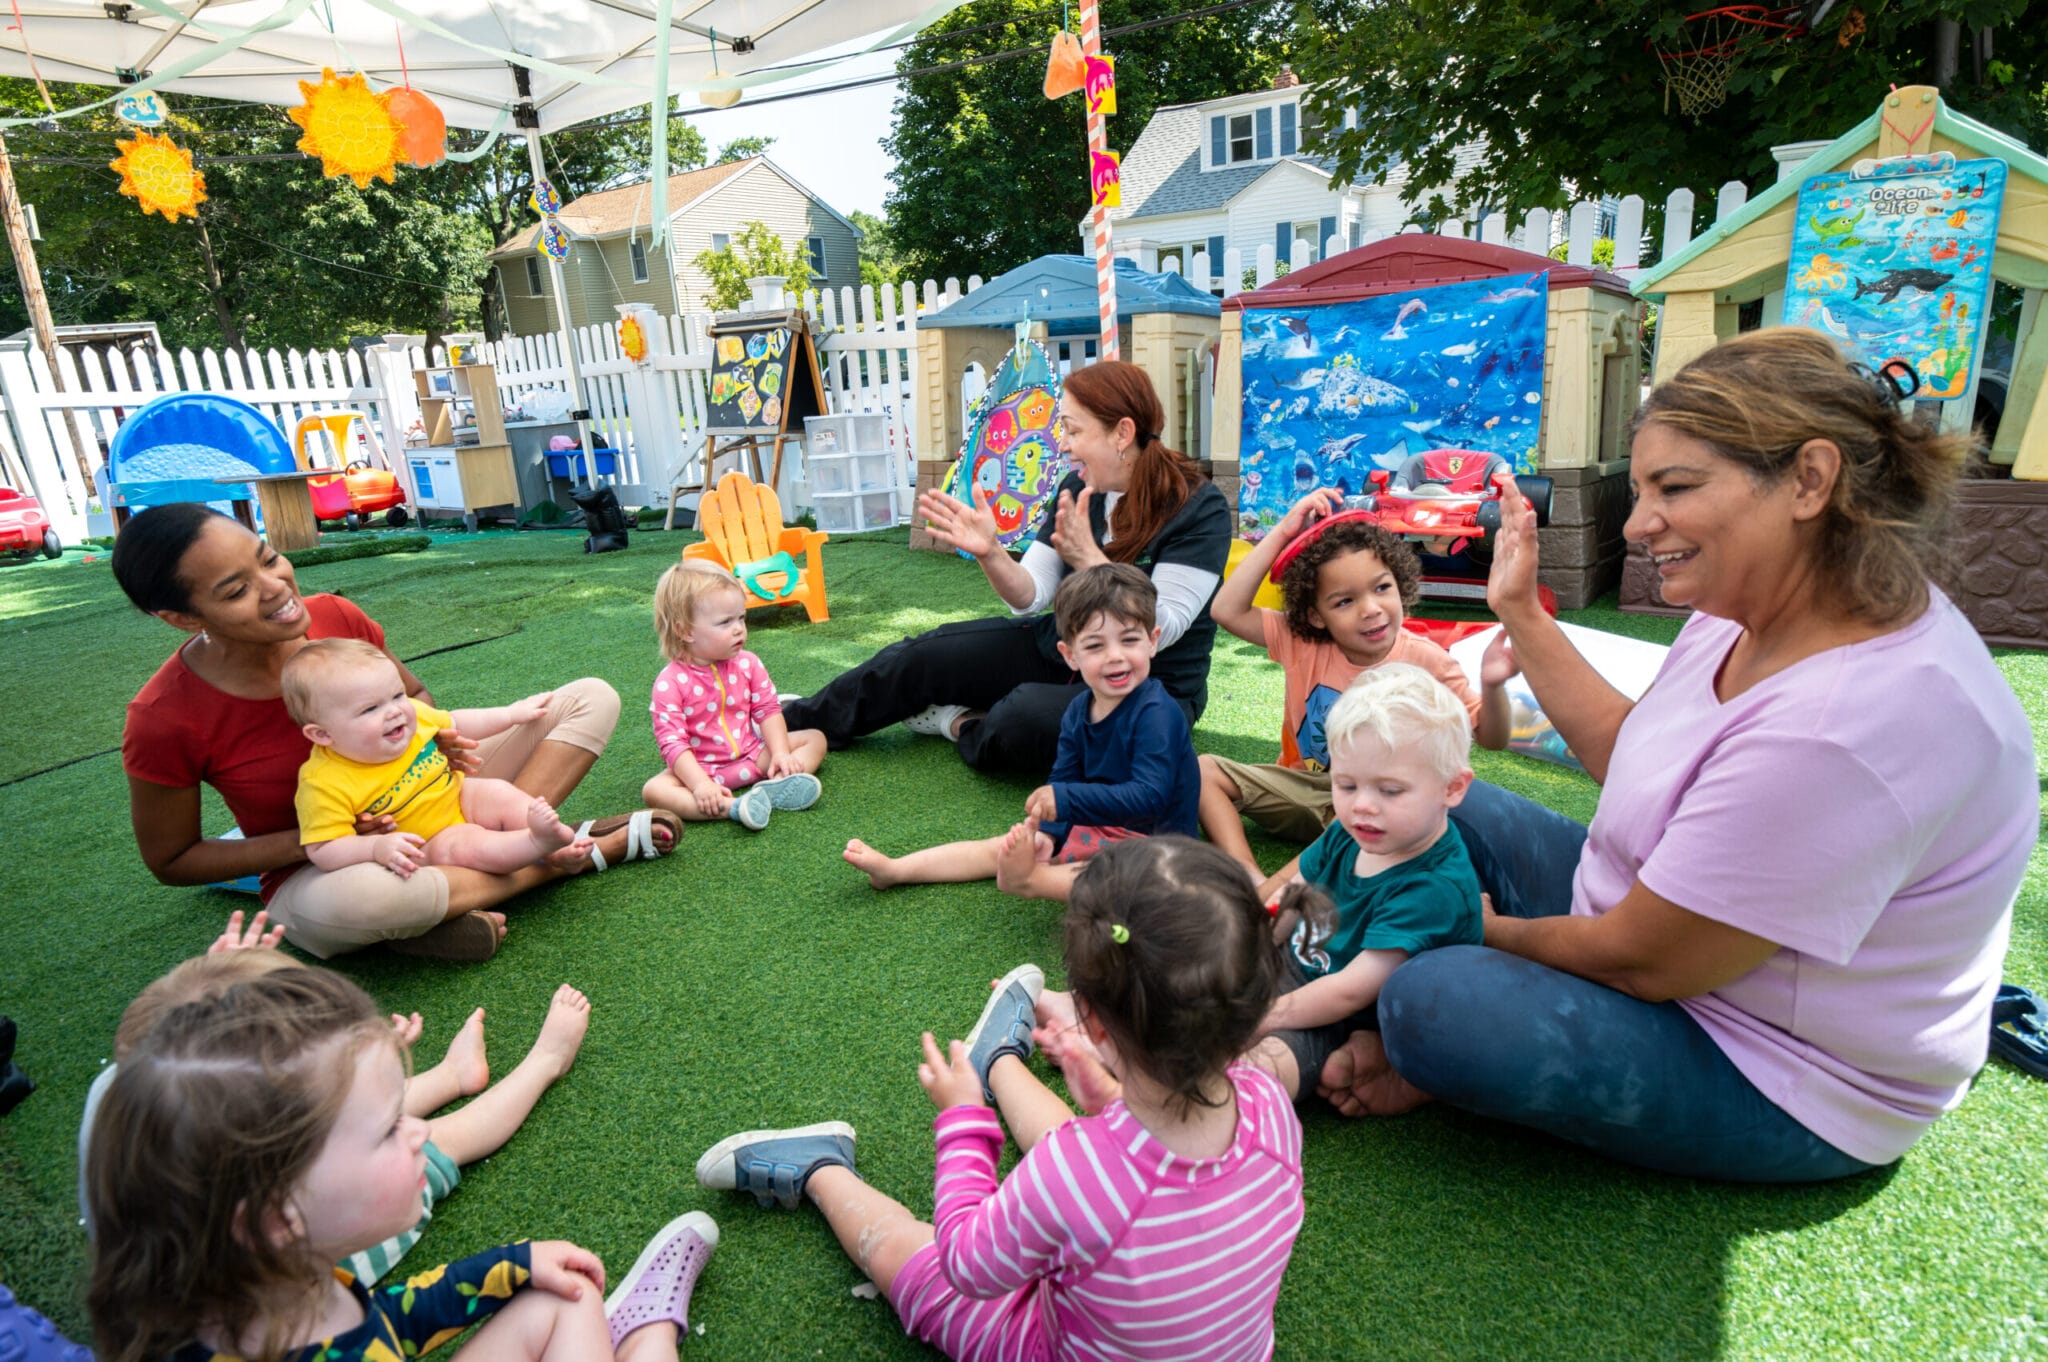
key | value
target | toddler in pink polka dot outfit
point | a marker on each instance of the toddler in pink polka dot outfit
(725, 749)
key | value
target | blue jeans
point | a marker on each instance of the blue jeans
(1518, 1041)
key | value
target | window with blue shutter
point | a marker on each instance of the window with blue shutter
(1283, 242)
(1325, 229)
(1264, 119)
(1286, 129)
(1219, 152)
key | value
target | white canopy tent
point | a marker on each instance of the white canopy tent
(524, 67)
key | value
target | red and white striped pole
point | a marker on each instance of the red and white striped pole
(1098, 141)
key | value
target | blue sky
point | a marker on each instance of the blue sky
(832, 143)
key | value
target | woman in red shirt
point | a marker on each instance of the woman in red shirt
(213, 715)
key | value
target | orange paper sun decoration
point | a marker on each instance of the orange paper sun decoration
(350, 127)
(632, 340)
(157, 173)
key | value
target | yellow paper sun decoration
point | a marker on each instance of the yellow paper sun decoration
(157, 173)
(632, 340)
(350, 127)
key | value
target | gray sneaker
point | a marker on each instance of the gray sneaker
(795, 792)
(1005, 1025)
(774, 1165)
(751, 808)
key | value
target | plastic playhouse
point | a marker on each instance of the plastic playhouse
(1884, 175)
(1422, 344)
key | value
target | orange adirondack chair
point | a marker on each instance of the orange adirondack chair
(744, 533)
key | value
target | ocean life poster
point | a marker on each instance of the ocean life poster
(1335, 390)
(1893, 259)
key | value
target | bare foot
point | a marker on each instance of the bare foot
(880, 869)
(550, 834)
(466, 1058)
(561, 1034)
(1017, 858)
(1359, 1081)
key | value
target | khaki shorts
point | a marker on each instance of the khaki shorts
(1292, 805)
(330, 913)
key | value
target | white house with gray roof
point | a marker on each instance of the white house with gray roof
(1233, 172)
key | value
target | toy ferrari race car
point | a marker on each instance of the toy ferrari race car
(1450, 497)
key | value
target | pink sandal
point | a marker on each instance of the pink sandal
(658, 1285)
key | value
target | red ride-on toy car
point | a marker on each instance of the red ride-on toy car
(1449, 497)
(24, 529)
(359, 489)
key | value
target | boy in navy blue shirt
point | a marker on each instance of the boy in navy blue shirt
(1126, 765)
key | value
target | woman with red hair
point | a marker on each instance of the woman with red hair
(997, 687)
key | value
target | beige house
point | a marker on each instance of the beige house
(612, 260)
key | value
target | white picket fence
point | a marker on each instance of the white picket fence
(652, 414)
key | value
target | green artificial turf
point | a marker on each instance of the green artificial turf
(756, 980)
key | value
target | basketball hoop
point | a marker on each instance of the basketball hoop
(1697, 70)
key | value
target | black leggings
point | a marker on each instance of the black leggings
(1005, 667)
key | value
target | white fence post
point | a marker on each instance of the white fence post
(1579, 240)
(1677, 222)
(1628, 235)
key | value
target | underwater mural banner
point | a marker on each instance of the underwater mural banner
(1893, 259)
(1334, 390)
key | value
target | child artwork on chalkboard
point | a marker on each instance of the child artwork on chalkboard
(763, 377)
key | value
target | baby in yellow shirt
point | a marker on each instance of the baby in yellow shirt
(374, 754)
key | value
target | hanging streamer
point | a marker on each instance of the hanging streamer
(657, 172)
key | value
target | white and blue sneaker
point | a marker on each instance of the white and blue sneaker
(1005, 1025)
(799, 791)
(774, 1165)
(751, 808)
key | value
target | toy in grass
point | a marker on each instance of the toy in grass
(350, 127)
(157, 173)
(1012, 450)
(24, 529)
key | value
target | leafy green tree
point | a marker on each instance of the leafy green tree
(880, 266)
(754, 252)
(989, 172)
(1572, 100)
(740, 148)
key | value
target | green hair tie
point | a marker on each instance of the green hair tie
(1119, 933)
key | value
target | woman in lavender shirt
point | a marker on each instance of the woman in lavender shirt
(1772, 956)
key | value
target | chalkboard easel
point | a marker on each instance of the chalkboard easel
(765, 380)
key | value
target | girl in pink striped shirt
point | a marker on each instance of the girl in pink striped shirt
(1159, 1227)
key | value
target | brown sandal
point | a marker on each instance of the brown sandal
(471, 938)
(641, 843)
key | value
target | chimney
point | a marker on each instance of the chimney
(1286, 80)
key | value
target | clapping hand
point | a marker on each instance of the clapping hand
(1498, 666)
(958, 525)
(1511, 585)
(1073, 534)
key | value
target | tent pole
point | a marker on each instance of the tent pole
(30, 275)
(561, 291)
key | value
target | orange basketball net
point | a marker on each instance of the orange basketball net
(1710, 43)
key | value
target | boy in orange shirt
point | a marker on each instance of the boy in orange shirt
(1347, 592)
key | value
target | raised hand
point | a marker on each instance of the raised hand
(1511, 585)
(1498, 666)
(1324, 501)
(1072, 534)
(958, 525)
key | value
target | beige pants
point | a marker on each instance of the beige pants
(329, 913)
(1292, 805)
